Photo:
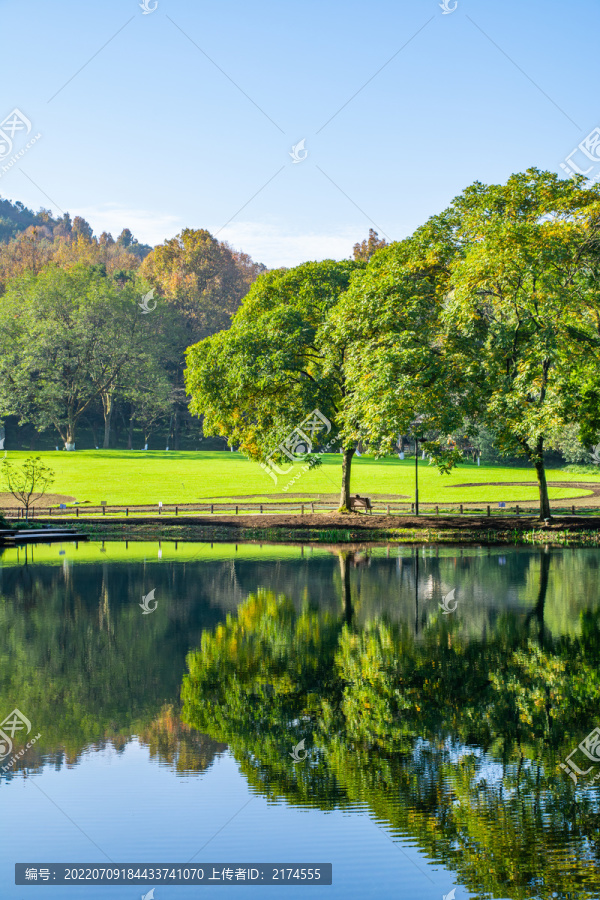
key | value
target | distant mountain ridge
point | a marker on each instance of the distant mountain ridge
(16, 219)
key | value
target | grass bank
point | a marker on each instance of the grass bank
(136, 477)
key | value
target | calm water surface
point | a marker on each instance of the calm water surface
(434, 693)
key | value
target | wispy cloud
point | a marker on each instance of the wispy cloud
(270, 244)
(148, 227)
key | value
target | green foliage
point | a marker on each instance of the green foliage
(68, 340)
(402, 723)
(259, 380)
(261, 670)
(520, 286)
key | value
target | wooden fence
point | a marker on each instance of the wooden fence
(286, 507)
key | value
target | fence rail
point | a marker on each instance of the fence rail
(285, 507)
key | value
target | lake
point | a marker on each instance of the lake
(426, 719)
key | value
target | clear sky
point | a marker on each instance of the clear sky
(186, 116)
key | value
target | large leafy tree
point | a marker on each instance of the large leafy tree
(523, 307)
(257, 382)
(488, 315)
(388, 326)
(67, 341)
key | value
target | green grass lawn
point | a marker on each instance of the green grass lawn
(136, 477)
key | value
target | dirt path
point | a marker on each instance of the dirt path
(247, 526)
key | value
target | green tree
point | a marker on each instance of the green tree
(258, 381)
(388, 329)
(522, 307)
(68, 340)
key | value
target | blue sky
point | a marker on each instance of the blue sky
(188, 114)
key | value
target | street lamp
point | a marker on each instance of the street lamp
(414, 425)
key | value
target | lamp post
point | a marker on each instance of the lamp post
(416, 475)
(415, 423)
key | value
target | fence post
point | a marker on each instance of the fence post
(176, 511)
(518, 510)
(103, 510)
(77, 513)
(261, 506)
(489, 512)
(461, 509)
(236, 510)
(437, 510)
(211, 509)
(572, 510)
(388, 507)
(302, 509)
(312, 508)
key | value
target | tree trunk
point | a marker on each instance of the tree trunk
(538, 610)
(130, 434)
(344, 558)
(70, 436)
(176, 428)
(347, 455)
(107, 405)
(545, 512)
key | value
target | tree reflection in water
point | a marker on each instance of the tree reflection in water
(454, 742)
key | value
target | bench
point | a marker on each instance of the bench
(359, 502)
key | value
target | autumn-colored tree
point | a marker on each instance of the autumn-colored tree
(202, 281)
(365, 249)
(202, 278)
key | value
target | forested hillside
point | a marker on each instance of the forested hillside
(93, 329)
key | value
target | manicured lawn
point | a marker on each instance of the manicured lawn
(136, 477)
